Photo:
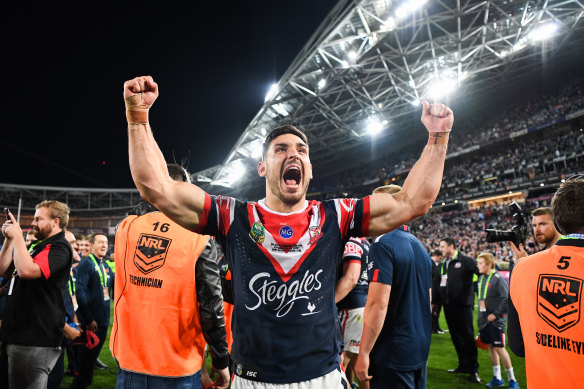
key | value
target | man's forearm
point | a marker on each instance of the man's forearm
(147, 162)
(23, 262)
(373, 319)
(342, 288)
(424, 180)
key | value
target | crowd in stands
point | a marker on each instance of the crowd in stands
(526, 156)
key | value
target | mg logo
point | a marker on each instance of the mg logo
(151, 252)
(559, 300)
(286, 232)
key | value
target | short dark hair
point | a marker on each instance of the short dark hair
(92, 236)
(449, 241)
(568, 206)
(436, 253)
(178, 173)
(543, 211)
(276, 132)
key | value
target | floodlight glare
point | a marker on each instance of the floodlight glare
(280, 109)
(544, 31)
(321, 83)
(416, 102)
(271, 92)
(374, 127)
(441, 88)
(352, 55)
(409, 7)
(235, 171)
(256, 151)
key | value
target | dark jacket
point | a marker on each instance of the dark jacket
(90, 296)
(459, 289)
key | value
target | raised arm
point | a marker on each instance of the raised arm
(423, 182)
(180, 201)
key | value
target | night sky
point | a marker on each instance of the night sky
(64, 68)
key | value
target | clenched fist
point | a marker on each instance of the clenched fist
(437, 117)
(139, 95)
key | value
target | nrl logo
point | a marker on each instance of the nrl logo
(151, 252)
(559, 300)
(238, 369)
(257, 233)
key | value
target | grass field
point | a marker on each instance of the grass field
(442, 357)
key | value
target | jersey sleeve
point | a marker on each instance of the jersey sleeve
(53, 259)
(353, 252)
(353, 216)
(380, 266)
(217, 215)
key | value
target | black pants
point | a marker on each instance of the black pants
(84, 375)
(459, 319)
(435, 317)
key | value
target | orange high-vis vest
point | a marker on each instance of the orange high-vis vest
(546, 290)
(156, 328)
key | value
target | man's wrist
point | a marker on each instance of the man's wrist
(137, 116)
(438, 138)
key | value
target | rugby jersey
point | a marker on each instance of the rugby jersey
(284, 270)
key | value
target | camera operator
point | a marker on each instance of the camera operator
(543, 229)
(546, 290)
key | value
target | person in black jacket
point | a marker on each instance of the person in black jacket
(456, 294)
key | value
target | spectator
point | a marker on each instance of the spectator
(35, 313)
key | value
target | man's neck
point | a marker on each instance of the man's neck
(53, 233)
(97, 256)
(553, 241)
(277, 205)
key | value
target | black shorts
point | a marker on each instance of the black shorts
(492, 335)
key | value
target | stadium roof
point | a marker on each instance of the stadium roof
(367, 67)
(371, 62)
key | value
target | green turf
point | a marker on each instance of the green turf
(442, 357)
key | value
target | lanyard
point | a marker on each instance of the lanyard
(100, 271)
(71, 284)
(444, 263)
(486, 286)
(30, 250)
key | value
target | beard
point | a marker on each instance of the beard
(42, 233)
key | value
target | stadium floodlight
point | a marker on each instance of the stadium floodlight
(271, 92)
(441, 88)
(389, 24)
(344, 64)
(321, 83)
(280, 109)
(542, 32)
(408, 7)
(374, 127)
(416, 102)
(352, 55)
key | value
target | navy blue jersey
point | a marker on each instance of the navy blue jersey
(399, 259)
(283, 269)
(356, 250)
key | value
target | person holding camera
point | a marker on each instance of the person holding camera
(455, 286)
(35, 311)
(546, 290)
(544, 230)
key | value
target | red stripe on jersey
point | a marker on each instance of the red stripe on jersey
(353, 261)
(406, 228)
(366, 211)
(205, 213)
(375, 275)
(224, 204)
(353, 249)
(42, 259)
(345, 318)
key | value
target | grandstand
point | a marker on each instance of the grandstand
(366, 68)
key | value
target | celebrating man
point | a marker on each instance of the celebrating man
(280, 249)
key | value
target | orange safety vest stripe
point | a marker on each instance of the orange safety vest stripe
(156, 328)
(546, 290)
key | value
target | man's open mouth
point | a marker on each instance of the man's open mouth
(292, 176)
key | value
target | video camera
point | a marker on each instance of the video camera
(517, 234)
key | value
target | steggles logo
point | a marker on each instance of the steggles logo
(284, 295)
